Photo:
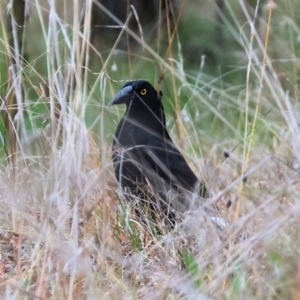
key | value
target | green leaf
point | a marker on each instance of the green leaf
(192, 266)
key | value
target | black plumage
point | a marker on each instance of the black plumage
(147, 163)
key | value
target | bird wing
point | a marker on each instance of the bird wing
(168, 163)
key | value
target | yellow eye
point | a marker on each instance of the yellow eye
(143, 92)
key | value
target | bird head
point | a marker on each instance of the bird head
(138, 91)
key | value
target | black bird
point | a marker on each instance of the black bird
(147, 163)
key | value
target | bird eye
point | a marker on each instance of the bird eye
(143, 92)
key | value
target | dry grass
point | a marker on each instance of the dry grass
(65, 231)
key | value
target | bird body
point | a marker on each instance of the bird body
(145, 158)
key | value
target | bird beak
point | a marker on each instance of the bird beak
(124, 96)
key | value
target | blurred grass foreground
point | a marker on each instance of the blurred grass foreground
(229, 74)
